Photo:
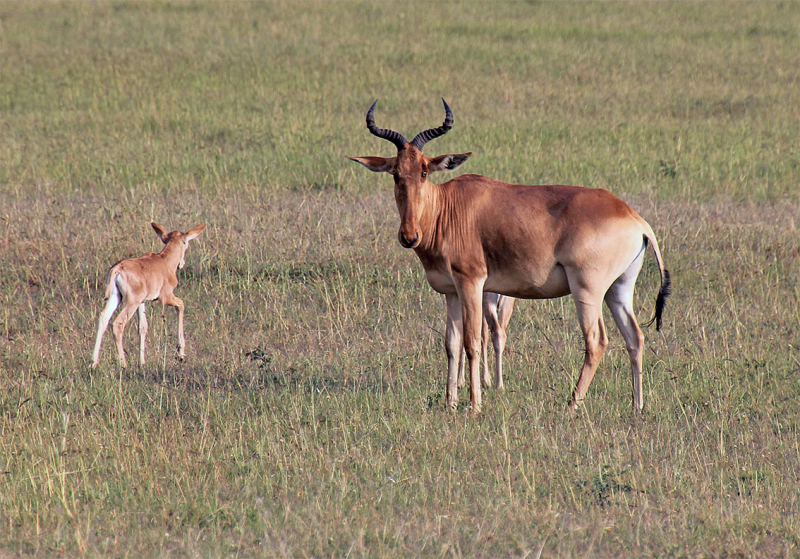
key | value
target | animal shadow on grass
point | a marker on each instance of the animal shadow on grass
(261, 372)
(202, 379)
(330, 380)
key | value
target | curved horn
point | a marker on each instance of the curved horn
(396, 138)
(423, 137)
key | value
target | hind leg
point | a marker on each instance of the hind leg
(462, 360)
(490, 326)
(619, 299)
(119, 328)
(588, 304)
(102, 324)
(596, 341)
(505, 307)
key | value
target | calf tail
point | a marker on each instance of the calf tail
(111, 284)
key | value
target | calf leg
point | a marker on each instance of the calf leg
(119, 328)
(111, 305)
(142, 333)
(173, 301)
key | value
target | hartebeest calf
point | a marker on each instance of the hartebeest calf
(138, 280)
(475, 234)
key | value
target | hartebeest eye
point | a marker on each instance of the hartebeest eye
(424, 174)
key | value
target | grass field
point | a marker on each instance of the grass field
(308, 419)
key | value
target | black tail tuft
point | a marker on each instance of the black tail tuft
(661, 300)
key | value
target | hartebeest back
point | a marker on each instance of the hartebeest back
(475, 234)
(138, 280)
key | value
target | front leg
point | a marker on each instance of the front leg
(142, 333)
(181, 339)
(452, 345)
(470, 294)
(173, 301)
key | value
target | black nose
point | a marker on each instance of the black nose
(406, 243)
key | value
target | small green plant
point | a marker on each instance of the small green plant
(604, 485)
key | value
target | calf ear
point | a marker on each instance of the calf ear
(159, 231)
(375, 164)
(194, 232)
(449, 162)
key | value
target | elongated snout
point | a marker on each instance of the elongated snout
(406, 242)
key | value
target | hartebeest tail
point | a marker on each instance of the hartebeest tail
(666, 284)
(474, 234)
(661, 300)
(138, 280)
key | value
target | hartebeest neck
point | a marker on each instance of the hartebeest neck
(429, 219)
(448, 221)
(172, 253)
(436, 216)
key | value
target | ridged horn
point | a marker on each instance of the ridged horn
(396, 138)
(424, 137)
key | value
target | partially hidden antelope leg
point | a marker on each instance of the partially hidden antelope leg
(505, 307)
(119, 328)
(462, 361)
(453, 347)
(488, 324)
(492, 328)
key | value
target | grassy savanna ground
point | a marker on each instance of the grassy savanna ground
(308, 418)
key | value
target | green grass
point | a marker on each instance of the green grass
(308, 419)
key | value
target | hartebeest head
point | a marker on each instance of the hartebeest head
(410, 169)
(180, 239)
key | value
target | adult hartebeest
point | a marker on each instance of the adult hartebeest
(143, 279)
(475, 234)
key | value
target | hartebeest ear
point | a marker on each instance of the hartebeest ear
(159, 231)
(194, 232)
(449, 162)
(375, 164)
